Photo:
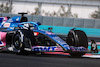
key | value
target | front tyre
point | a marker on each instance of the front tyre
(77, 38)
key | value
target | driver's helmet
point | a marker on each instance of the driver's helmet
(27, 26)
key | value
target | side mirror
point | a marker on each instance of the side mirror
(38, 23)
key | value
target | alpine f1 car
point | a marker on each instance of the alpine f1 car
(19, 35)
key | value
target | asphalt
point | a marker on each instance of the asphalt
(13, 60)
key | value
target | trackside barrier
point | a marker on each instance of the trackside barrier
(59, 21)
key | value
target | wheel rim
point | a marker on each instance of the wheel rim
(17, 42)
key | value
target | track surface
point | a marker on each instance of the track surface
(13, 60)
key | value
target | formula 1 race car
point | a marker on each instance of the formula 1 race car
(20, 36)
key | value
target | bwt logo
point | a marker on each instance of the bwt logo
(44, 49)
(79, 48)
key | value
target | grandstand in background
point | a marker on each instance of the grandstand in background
(69, 3)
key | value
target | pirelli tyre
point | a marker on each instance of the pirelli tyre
(18, 45)
(77, 38)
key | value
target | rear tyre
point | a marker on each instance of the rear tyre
(18, 45)
(77, 38)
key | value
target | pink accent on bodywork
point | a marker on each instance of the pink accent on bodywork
(5, 19)
(58, 49)
(3, 38)
(60, 53)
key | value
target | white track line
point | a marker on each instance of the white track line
(91, 56)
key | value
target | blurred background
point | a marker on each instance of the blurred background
(89, 9)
